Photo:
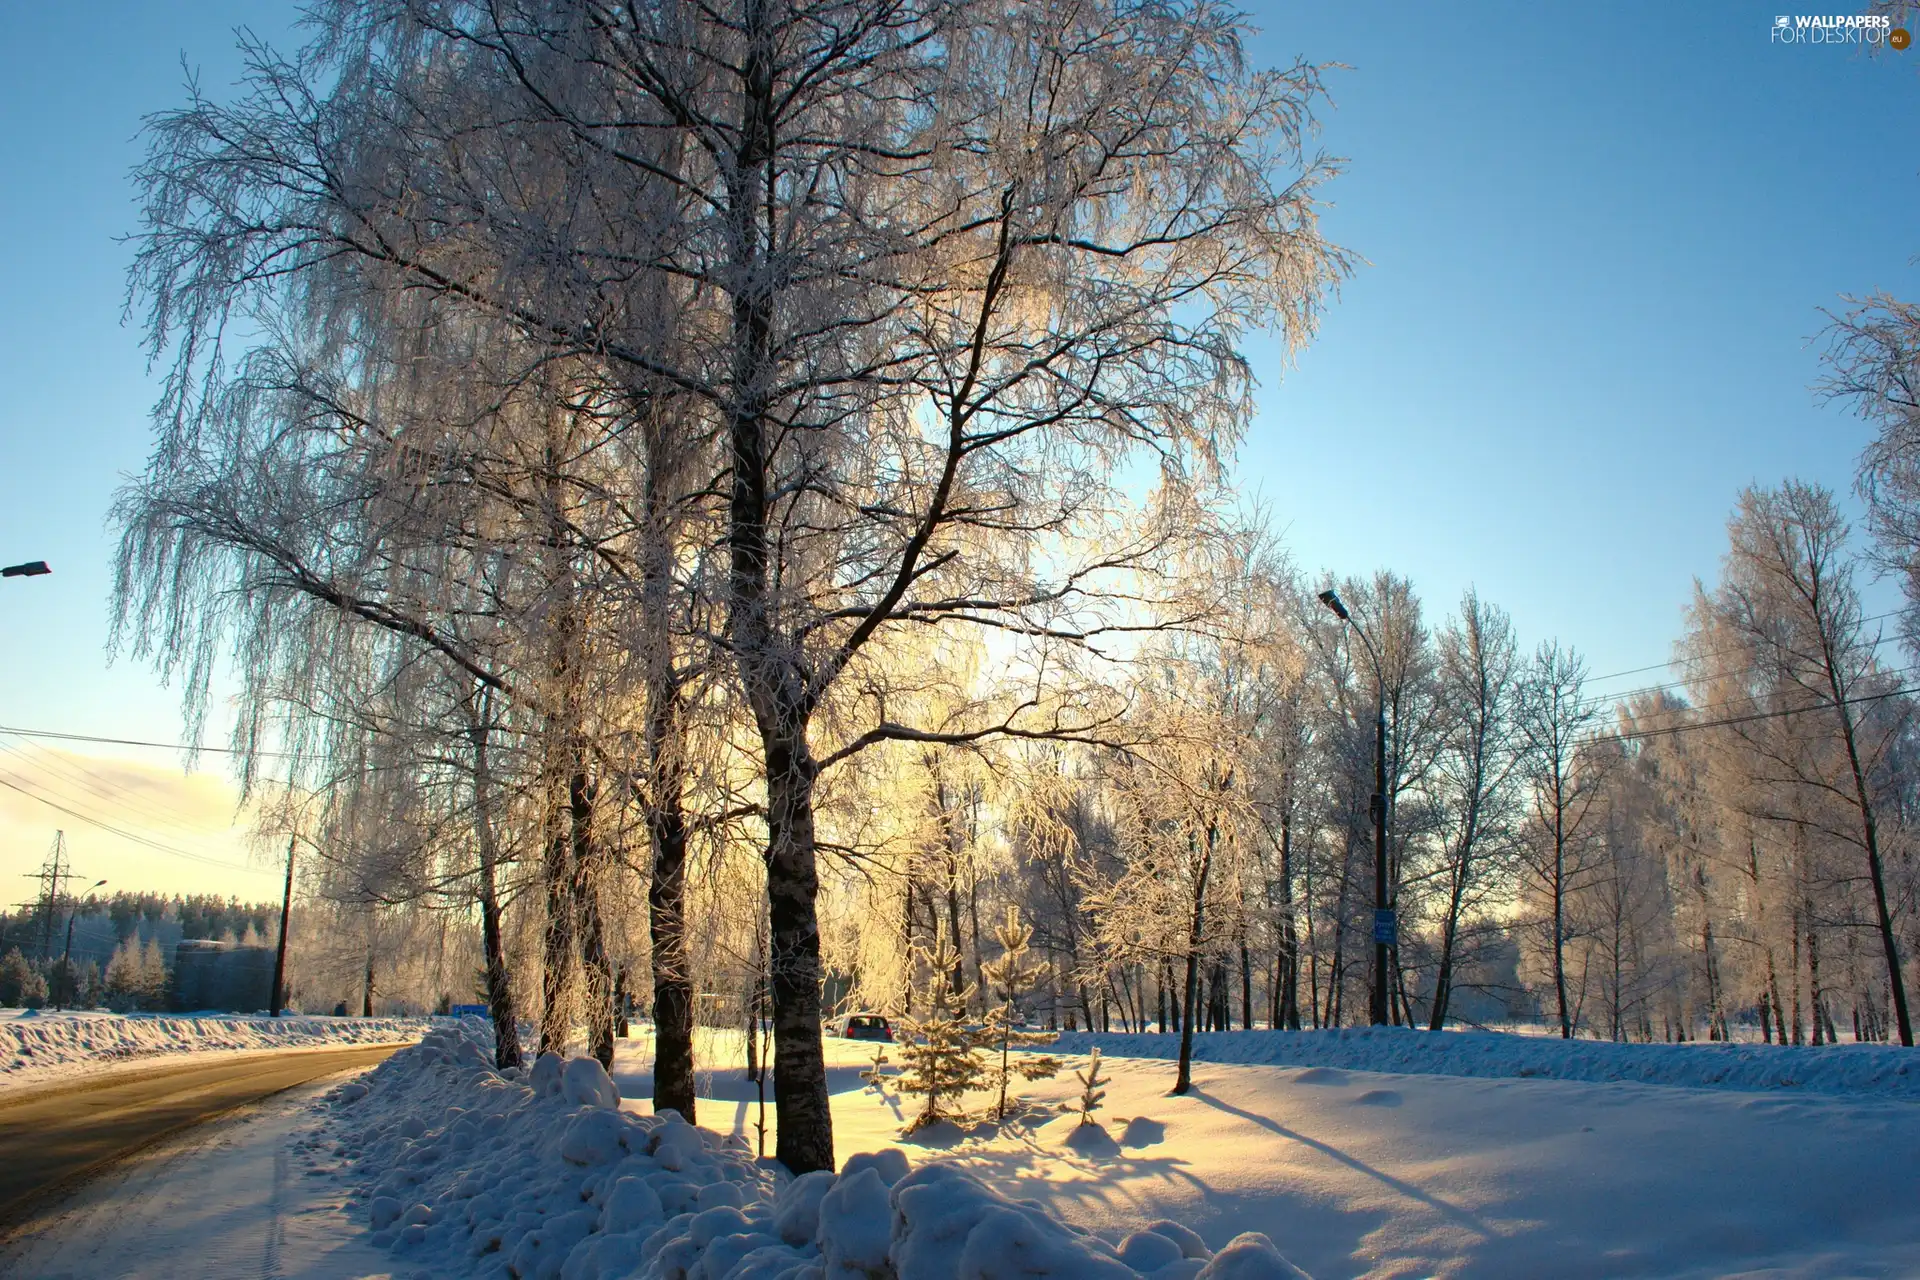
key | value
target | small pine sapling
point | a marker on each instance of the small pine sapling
(875, 1075)
(940, 1058)
(1009, 978)
(1092, 1089)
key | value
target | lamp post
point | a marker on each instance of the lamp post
(31, 569)
(1385, 927)
(66, 957)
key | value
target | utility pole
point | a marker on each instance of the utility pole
(279, 998)
(1385, 925)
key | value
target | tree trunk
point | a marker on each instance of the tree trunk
(1443, 976)
(1870, 830)
(665, 803)
(1288, 1017)
(596, 965)
(500, 1010)
(1337, 965)
(1247, 987)
(1794, 919)
(799, 1064)
(673, 1086)
(559, 951)
(1450, 925)
(1196, 928)
(1716, 1016)
(979, 968)
(774, 685)
(957, 979)
(1819, 1029)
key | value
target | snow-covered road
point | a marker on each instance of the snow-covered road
(232, 1200)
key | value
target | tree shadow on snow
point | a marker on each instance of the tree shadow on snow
(1092, 1141)
(1451, 1212)
(1127, 1189)
(941, 1135)
(730, 1084)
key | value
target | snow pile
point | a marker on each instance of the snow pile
(38, 1044)
(463, 1169)
(1880, 1070)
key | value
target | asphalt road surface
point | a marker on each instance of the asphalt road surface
(54, 1137)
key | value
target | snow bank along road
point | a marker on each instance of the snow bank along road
(37, 1047)
(51, 1137)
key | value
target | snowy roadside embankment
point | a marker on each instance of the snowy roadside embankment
(38, 1046)
(463, 1170)
(1885, 1071)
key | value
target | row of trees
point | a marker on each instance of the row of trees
(136, 978)
(1730, 852)
(727, 497)
(140, 913)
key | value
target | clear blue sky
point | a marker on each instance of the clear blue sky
(1597, 242)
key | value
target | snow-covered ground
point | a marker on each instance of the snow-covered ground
(37, 1047)
(1387, 1173)
(455, 1171)
(1876, 1070)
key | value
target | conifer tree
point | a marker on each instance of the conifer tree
(130, 983)
(123, 972)
(1092, 1088)
(90, 987)
(941, 1054)
(1009, 978)
(33, 992)
(15, 973)
(152, 987)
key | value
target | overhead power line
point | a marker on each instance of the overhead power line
(67, 777)
(1828, 705)
(1602, 699)
(146, 842)
(58, 736)
(1718, 653)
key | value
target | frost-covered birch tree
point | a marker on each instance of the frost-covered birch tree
(935, 274)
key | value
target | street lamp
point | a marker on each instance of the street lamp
(66, 958)
(31, 569)
(1385, 927)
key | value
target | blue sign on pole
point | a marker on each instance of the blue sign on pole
(1386, 928)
